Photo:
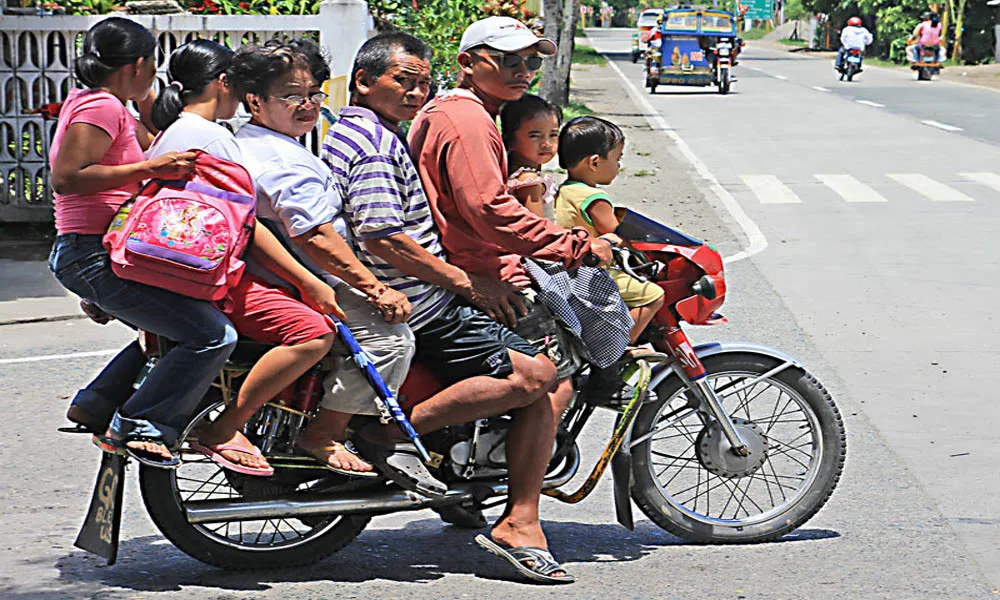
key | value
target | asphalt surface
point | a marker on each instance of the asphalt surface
(837, 286)
(880, 237)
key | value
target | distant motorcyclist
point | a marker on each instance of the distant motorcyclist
(927, 33)
(853, 37)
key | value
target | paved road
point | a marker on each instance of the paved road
(881, 236)
(885, 534)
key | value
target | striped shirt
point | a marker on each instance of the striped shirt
(382, 197)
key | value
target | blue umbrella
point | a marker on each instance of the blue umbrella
(388, 405)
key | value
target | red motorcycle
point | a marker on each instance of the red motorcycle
(719, 443)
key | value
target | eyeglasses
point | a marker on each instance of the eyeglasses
(298, 100)
(513, 61)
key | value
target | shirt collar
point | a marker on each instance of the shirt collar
(367, 113)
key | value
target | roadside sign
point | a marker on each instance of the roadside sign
(762, 10)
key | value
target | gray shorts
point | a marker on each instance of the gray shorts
(541, 329)
(391, 347)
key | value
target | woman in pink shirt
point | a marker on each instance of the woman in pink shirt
(928, 33)
(96, 164)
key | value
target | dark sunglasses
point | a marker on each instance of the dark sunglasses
(513, 61)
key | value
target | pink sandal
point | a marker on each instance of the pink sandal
(214, 453)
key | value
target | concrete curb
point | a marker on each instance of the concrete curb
(45, 319)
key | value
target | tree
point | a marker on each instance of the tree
(560, 25)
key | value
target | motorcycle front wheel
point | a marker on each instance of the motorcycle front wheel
(259, 544)
(681, 478)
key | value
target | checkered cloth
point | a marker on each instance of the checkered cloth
(588, 302)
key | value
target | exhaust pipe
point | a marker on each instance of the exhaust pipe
(389, 501)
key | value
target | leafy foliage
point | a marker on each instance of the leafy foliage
(439, 23)
(892, 21)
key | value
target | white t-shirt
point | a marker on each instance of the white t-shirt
(295, 189)
(854, 37)
(195, 132)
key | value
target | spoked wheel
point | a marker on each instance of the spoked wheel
(688, 481)
(265, 543)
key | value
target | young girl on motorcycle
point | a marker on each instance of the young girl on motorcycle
(531, 128)
(199, 94)
(97, 163)
(531, 134)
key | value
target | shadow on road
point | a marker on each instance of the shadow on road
(421, 551)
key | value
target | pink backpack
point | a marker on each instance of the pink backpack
(187, 236)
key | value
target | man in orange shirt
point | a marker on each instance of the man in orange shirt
(463, 165)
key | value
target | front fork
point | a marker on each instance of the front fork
(674, 341)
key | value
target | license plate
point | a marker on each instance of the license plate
(854, 59)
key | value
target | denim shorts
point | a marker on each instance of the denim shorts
(541, 329)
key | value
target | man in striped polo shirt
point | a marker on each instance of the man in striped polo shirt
(489, 370)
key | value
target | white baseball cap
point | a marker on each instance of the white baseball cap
(504, 34)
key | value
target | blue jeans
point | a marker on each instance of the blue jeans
(170, 395)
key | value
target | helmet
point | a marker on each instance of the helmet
(854, 22)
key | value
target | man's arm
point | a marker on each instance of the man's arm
(325, 246)
(479, 191)
(499, 300)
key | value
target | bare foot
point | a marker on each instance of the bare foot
(335, 454)
(150, 447)
(156, 448)
(249, 458)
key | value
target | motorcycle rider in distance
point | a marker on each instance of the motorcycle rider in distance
(927, 33)
(853, 37)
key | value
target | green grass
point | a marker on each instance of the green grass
(585, 55)
(575, 109)
(797, 43)
(754, 34)
(644, 173)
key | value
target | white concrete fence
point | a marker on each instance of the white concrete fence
(36, 68)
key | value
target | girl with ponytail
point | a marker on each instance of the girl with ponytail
(199, 93)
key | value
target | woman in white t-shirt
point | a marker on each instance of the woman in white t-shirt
(199, 94)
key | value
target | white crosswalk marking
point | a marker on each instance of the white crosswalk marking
(988, 179)
(770, 190)
(850, 189)
(925, 186)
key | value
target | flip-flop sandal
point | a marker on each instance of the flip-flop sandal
(542, 567)
(326, 465)
(106, 444)
(401, 462)
(150, 459)
(215, 453)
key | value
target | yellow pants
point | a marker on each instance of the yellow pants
(634, 292)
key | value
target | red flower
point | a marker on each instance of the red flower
(244, 6)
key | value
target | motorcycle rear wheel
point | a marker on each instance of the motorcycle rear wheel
(267, 543)
(804, 457)
(852, 70)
